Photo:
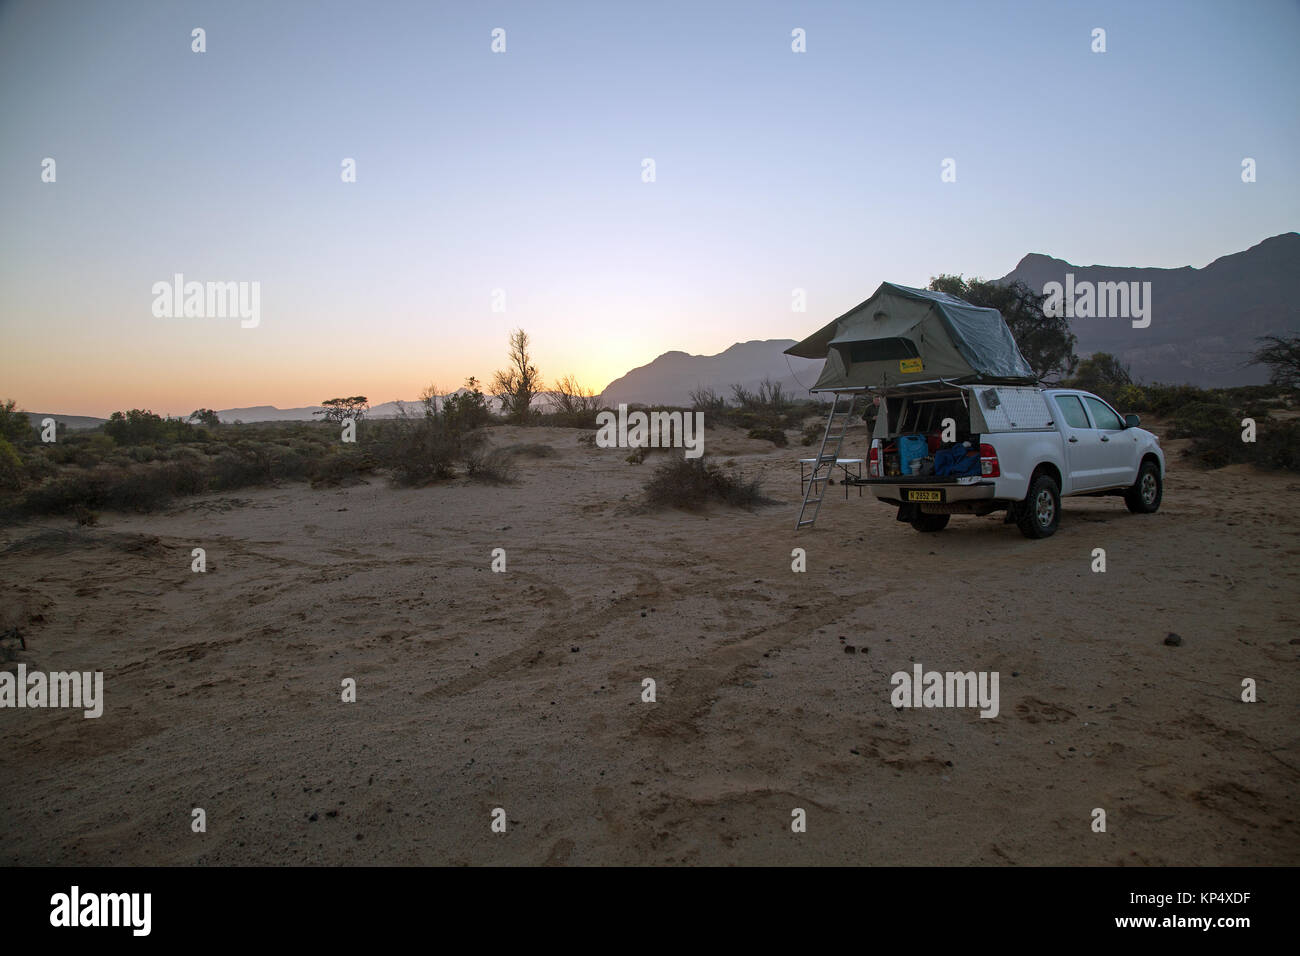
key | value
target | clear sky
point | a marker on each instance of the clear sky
(522, 171)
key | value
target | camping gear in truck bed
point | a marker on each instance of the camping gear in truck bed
(911, 448)
(958, 461)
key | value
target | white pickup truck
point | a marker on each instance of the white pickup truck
(1034, 446)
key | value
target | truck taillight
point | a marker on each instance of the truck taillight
(873, 460)
(989, 462)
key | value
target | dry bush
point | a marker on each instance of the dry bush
(691, 483)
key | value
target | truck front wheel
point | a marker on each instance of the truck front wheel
(1040, 513)
(925, 522)
(1144, 497)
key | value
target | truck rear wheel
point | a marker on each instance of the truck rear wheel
(925, 522)
(1144, 497)
(1040, 513)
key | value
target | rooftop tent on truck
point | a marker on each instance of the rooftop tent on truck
(902, 335)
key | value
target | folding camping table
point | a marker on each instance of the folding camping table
(842, 463)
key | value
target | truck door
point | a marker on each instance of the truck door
(1118, 450)
(1082, 445)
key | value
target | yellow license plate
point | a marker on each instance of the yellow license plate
(925, 496)
(910, 365)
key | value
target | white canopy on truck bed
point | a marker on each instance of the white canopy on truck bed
(903, 335)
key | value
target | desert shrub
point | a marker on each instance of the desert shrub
(185, 477)
(813, 432)
(638, 455)
(1159, 399)
(11, 467)
(691, 483)
(145, 489)
(15, 426)
(184, 453)
(1277, 445)
(775, 435)
(1130, 398)
(37, 468)
(1200, 419)
(569, 419)
(493, 465)
(62, 494)
(341, 468)
(237, 468)
(421, 450)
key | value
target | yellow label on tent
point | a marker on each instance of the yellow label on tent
(910, 365)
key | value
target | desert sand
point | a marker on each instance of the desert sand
(522, 690)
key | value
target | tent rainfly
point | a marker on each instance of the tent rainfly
(903, 335)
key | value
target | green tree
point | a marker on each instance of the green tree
(11, 467)
(1045, 341)
(205, 417)
(14, 424)
(466, 409)
(136, 427)
(338, 409)
(1103, 374)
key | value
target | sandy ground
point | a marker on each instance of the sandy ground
(522, 690)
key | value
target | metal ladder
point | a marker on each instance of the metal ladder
(837, 423)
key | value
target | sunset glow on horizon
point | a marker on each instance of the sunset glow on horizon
(521, 173)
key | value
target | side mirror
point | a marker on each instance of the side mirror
(1132, 421)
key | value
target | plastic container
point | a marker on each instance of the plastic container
(911, 447)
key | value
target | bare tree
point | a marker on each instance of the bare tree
(519, 383)
(569, 397)
(1282, 356)
(429, 399)
(707, 400)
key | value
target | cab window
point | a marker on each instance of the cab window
(1103, 415)
(1072, 411)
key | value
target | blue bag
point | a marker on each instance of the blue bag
(957, 462)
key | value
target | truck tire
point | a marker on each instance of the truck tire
(925, 522)
(1040, 513)
(1144, 497)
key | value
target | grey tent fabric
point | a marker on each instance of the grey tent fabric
(903, 335)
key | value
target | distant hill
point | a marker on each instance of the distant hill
(269, 413)
(1204, 322)
(71, 422)
(670, 379)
